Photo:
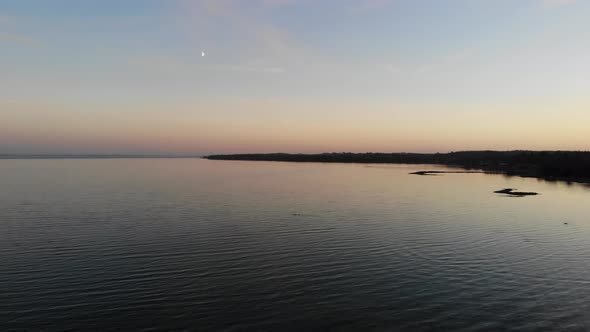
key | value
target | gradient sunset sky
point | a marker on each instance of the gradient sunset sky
(127, 76)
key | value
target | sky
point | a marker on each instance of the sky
(128, 77)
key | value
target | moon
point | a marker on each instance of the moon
(202, 53)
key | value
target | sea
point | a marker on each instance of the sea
(203, 245)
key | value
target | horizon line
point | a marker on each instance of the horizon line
(201, 155)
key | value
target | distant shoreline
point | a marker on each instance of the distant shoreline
(94, 156)
(569, 166)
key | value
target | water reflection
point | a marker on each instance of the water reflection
(213, 245)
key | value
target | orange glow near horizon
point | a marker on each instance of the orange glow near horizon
(299, 128)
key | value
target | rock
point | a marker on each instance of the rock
(510, 191)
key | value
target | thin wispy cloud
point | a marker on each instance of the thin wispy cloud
(358, 5)
(260, 37)
(440, 62)
(391, 68)
(7, 101)
(246, 69)
(455, 58)
(173, 66)
(18, 39)
(557, 3)
(375, 4)
(361, 6)
(278, 3)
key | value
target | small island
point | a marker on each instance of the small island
(512, 192)
(448, 172)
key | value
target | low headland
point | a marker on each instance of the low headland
(571, 166)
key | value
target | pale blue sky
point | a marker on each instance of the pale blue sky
(293, 75)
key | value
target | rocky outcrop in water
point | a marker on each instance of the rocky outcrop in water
(512, 192)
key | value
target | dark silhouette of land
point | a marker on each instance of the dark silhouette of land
(512, 192)
(571, 166)
(449, 172)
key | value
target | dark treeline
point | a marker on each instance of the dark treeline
(566, 165)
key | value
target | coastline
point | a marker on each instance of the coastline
(566, 166)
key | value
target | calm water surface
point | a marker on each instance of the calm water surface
(187, 244)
